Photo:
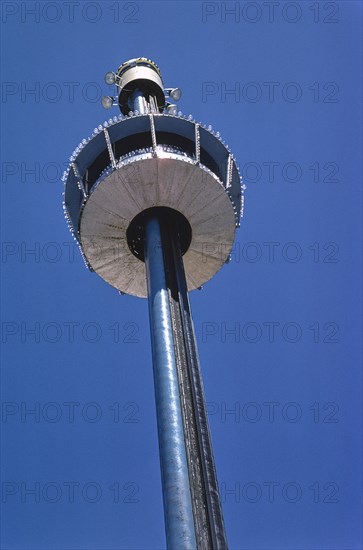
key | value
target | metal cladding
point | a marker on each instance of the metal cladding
(142, 161)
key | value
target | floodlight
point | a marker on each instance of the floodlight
(107, 101)
(110, 78)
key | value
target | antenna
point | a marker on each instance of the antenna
(153, 199)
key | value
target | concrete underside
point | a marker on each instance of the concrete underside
(145, 181)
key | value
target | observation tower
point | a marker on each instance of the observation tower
(153, 199)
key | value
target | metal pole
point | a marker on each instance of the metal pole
(206, 507)
(179, 523)
(139, 102)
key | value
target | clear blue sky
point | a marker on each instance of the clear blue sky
(284, 390)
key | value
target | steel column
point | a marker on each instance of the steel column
(179, 523)
(203, 486)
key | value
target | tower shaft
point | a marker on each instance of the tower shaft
(190, 488)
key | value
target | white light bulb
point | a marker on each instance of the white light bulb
(172, 109)
(107, 101)
(175, 94)
(110, 78)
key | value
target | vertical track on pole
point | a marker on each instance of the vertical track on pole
(207, 512)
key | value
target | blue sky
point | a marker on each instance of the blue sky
(279, 328)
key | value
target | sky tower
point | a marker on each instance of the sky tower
(153, 199)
